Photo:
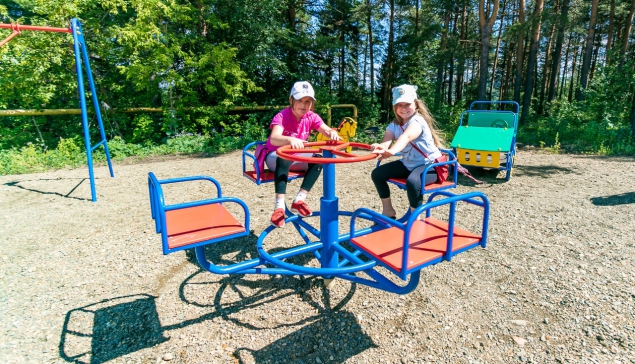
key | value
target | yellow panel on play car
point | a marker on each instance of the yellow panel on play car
(478, 158)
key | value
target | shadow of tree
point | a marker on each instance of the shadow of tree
(621, 199)
(549, 171)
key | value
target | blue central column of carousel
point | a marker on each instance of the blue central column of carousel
(329, 215)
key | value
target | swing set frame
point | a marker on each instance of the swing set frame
(81, 52)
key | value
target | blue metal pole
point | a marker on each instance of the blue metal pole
(82, 103)
(329, 215)
(91, 83)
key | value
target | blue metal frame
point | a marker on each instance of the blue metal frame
(491, 111)
(247, 154)
(324, 243)
(513, 103)
(158, 209)
(451, 199)
(79, 46)
(452, 162)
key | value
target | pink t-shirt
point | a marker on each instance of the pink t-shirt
(291, 127)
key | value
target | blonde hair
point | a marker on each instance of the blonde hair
(422, 109)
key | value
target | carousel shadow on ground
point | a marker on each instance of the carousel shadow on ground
(111, 328)
(333, 338)
(115, 327)
(68, 195)
(240, 249)
(621, 199)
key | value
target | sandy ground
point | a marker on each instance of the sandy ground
(87, 282)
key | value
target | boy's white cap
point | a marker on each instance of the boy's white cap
(301, 89)
(404, 93)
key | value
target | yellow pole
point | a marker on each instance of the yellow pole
(328, 121)
(45, 112)
(20, 112)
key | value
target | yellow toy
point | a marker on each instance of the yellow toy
(346, 130)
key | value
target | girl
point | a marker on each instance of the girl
(415, 135)
(292, 126)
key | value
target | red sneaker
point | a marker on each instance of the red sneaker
(301, 208)
(277, 218)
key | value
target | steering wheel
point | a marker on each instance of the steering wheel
(335, 147)
(499, 123)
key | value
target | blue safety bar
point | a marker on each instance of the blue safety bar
(474, 198)
(513, 103)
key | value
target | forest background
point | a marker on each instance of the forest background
(570, 64)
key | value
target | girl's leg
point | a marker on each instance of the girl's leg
(281, 174)
(310, 177)
(380, 177)
(414, 187)
(281, 168)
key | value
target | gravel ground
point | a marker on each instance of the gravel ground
(87, 282)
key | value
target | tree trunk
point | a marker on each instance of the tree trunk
(485, 24)
(370, 51)
(416, 18)
(498, 43)
(536, 73)
(633, 117)
(533, 54)
(596, 51)
(557, 53)
(545, 69)
(508, 70)
(566, 62)
(364, 72)
(519, 52)
(627, 34)
(609, 40)
(387, 87)
(588, 52)
(441, 64)
(292, 54)
(572, 80)
(451, 70)
(342, 61)
(460, 76)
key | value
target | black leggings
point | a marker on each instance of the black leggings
(396, 169)
(282, 174)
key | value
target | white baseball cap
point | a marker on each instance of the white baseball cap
(302, 89)
(404, 93)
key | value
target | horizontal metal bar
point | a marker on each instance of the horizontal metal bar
(46, 112)
(19, 27)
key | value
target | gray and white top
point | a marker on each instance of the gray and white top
(411, 157)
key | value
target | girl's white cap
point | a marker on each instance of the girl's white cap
(302, 89)
(404, 93)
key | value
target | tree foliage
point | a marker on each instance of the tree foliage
(196, 59)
